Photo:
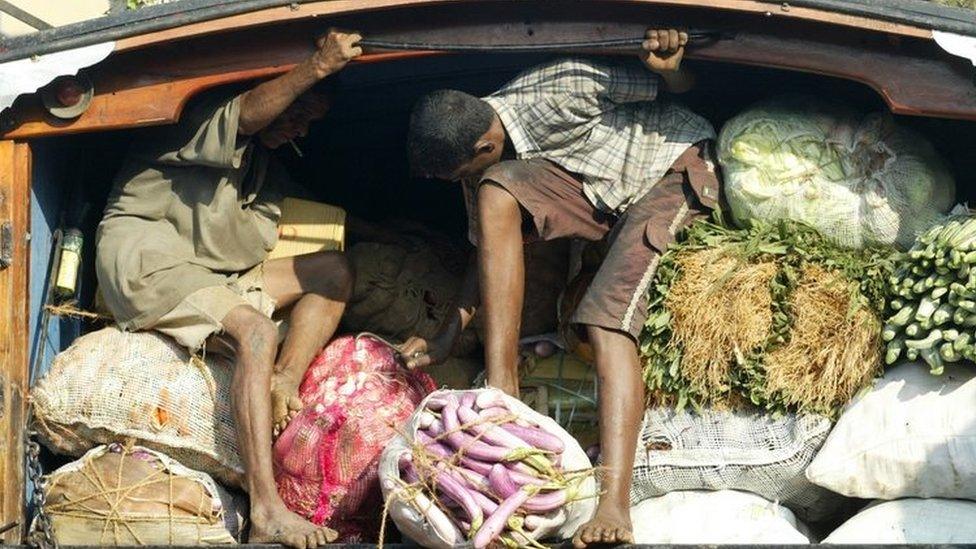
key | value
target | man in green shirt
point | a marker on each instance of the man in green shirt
(182, 249)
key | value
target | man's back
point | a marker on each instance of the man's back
(191, 200)
(601, 120)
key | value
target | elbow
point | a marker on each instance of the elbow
(246, 125)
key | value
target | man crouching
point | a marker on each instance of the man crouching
(574, 148)
(182, 249)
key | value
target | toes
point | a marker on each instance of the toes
(311, 540)
(609, 535)
(593, 534)
(578, 542)
(624, 535)
(330, 534)
(298, 543)
(295, 404)
(320, 538)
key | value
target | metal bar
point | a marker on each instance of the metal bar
(694, 37)
(26, 17)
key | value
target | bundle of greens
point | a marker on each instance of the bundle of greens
(773, 315)
(932, 306)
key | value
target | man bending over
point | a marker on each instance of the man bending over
(573, 149)
(182, 250)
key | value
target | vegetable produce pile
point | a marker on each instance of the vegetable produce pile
(772, 316)
(479, 469)
(932, 302)
(861, 180)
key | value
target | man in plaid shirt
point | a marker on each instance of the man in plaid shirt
(574, 148)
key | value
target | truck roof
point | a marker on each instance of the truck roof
(886, 15)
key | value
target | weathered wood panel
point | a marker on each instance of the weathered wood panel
(15, 169)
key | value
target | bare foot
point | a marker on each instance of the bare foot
(608, 527)
(285, 403)
(287, 528)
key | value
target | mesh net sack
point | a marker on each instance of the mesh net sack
(752, 452)
(859, 180)
(112, 384)
(134, 496)
(356, 397)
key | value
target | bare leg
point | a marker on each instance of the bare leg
(502, 274)
(255, 339)
(620, 407)
(319, 285)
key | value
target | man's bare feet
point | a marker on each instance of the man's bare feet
(284, 527)
(608, 527)
(285, 402)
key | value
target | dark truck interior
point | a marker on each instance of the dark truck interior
(355, 157)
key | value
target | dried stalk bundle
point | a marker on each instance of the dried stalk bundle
(773, 316)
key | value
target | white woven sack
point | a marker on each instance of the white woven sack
(935, 521)
(912, 435)
(723, 517)
(859, 180)
(752, 452)
(112, 384)
(410, 517)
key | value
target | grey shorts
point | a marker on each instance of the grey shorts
(200, 314)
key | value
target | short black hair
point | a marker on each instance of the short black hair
(445, 125)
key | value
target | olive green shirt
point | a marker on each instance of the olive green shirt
(194, 205)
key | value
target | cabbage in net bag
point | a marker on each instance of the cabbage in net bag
(858, 180)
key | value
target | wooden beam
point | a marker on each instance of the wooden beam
(15, 173)
(127, 97)
(326, 8)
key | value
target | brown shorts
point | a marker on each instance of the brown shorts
(556, 207)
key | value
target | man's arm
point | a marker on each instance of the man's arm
(418, 353)
(262, 104)
(663, 52)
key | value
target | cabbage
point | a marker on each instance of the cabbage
(858, 180)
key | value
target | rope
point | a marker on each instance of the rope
(113, 516)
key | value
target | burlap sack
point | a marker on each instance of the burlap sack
(111, 385)
(402, 292)
(118, 496)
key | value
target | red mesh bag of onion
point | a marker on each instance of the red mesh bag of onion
(357, 396)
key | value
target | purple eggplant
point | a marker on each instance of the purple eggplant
(536, 437)
(495, 524)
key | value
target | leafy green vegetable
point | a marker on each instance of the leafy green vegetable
(793, 249)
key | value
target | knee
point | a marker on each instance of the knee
(331, 276)
(250, 330)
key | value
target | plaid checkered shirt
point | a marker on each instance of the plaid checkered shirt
(597, 119)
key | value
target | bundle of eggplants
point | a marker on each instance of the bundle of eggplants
(481, 468)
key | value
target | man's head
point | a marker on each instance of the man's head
(453, 135)
(294, 121)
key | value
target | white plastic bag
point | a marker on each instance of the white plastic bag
(910, 521)
(409, 513)
(723, 517)
(912, 435)
(719, 450)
